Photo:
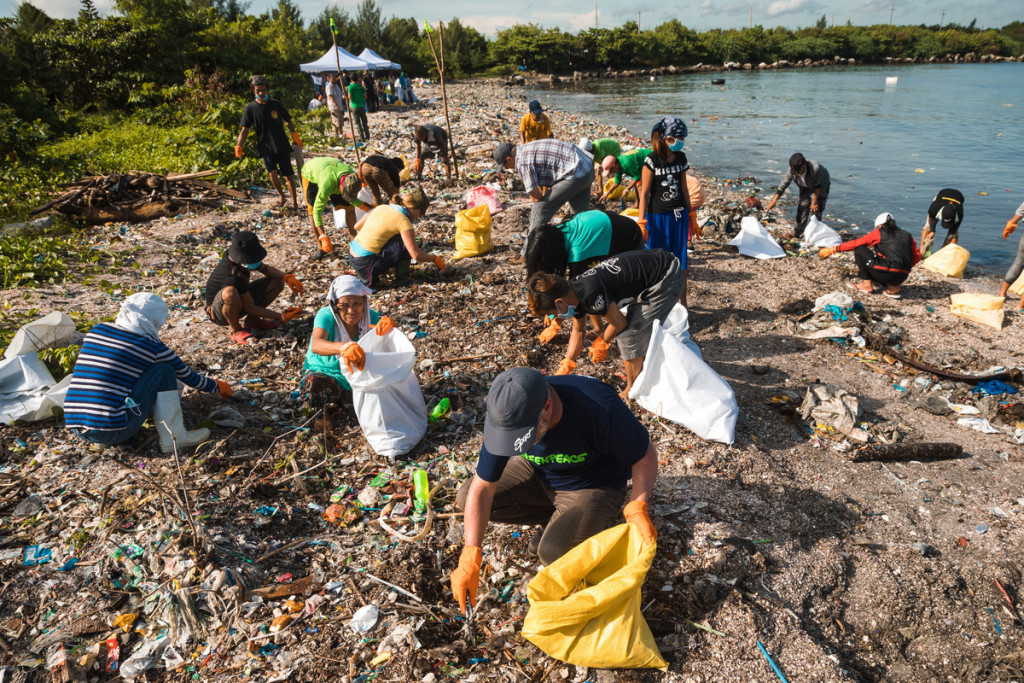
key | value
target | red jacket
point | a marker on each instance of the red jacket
(897, 252)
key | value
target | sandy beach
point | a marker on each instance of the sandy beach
(844, 571)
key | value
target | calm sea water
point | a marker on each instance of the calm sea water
(886, 148)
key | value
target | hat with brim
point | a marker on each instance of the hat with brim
(350, 186)
(608, 166)
(535, 107)
(514, 405)
(502, 152)
(418, 198)
(246, 248)
(948, 216)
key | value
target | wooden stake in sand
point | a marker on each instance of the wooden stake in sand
(444, 95)
(351, 120)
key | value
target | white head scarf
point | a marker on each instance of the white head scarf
(349, 285)
(142, 313)
(882, 218)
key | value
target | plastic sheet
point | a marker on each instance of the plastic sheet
(755, 241)
(980, 308)
(817, 234)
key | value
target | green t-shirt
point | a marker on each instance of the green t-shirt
(329, 365)
(356, 95)
(326, 173)
(588, 234)
(632, 164)
(604, 147)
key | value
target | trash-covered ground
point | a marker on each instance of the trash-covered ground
(220, 565)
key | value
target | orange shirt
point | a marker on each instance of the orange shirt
(533, 129)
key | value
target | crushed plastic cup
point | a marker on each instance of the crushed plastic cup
(365, 618)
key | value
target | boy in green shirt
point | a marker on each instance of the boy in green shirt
(357, 102)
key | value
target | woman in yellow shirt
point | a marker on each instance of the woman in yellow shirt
(535, 124)
(386, 238)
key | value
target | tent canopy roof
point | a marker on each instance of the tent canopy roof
(377, 61)
(329, 62)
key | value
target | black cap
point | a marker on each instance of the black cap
(797, 160)
(259, 80)
(948, 216)
(514, 405)
(535, 107)
(246, 248)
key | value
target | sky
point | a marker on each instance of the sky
(573, 15)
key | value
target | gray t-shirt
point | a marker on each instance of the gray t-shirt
(814, 176)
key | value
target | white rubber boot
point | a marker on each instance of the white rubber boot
(170, 425)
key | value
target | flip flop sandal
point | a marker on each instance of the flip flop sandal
(853, 285)
(892, 296)
(262, 324)
(241, 337)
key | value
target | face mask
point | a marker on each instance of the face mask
(262, 98)
(254, 266)
(676, 146)
(569, 313)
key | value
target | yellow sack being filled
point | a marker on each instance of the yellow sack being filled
(585, 606)
(619, 191)
(980, 308)
(950, 260)
(1017, 288)
(473, 232)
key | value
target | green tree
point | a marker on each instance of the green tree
(822, 23)
(369, 27)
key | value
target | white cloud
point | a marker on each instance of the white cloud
(788, 7)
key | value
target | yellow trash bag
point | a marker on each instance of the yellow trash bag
(950, 260)
(406, 172)
(696, 189)
(585, 606)
(619, 192)
(473, 232)
(1017, 288)
(980, 308)
(632, 212)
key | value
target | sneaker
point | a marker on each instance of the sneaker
(534, 545)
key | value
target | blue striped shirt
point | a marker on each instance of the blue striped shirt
(109, 364)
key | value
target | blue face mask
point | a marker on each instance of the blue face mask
(263, 98)
(569, 313)
(676, 146)
(254, 266)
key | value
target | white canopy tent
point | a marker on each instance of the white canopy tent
(329, 62)
(377, 61)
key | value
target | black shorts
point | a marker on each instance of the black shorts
(257, 290)
(312, 189)
(281, 163)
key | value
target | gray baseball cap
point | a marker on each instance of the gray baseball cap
(514, 405)
(501, 154)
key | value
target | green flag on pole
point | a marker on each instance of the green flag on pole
(427, 26)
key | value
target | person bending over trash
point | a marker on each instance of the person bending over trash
(1017, 267)
(649, 282)
(948, 207)
(124, 373)
(535, 124)
(599, 150)
(385, 238)
(336, 329)
(266, 117)
(428, 135)
(813, 180)
(326, 179)
(666, 214)
(578, 244)
(628, 164)
(382, 175)
(553, 172)
(557, 452)
(231, 296)
(885, 255)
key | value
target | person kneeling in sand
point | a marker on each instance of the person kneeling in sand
(230, 296)
(885, 255)
(650, 282)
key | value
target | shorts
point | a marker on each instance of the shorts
(312, 189)
(257, 290)
(279, 162)
(337, 118)
(654, 303)
(317, 389)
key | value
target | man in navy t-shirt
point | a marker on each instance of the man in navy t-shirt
(558, 451)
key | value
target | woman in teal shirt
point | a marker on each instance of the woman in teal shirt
(345, 319)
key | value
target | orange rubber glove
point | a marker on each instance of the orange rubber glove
(291, 313)
(825, 252)
(294, 283)
(385, 325)
(354, 356)
(417, 166)
(599, 350)
(224, 388)
(635, 513)
(439, 262)
(643, 228)
(1011, 225)
(325, 244)
(695, 228)
(551, 331)
(466, 578)
(296, 139)
(566, 367)
(238, 151)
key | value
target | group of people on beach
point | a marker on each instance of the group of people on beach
(579, 442)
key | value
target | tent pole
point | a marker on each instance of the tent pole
(351, 121)
(444, 96)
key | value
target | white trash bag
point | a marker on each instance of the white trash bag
(755, 241)
(339, 216)
(817, 234)
(53, 330)
(677, 385)
(678, 325)
(386, 394)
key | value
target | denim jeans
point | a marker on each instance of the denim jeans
(157, 378)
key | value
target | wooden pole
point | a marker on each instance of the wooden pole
(444, 95)
(351, 121)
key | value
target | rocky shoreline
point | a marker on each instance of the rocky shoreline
(845, 571)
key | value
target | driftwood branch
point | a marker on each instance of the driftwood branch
(907, 451)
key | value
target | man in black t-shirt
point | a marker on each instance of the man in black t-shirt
(557, 452)
(266, 117)
(948, 207)
(231, 296)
